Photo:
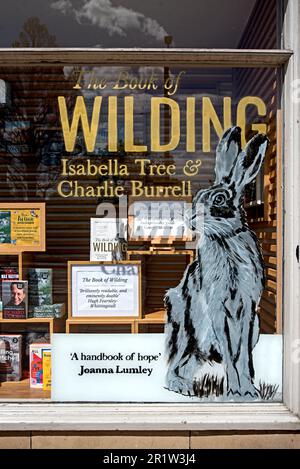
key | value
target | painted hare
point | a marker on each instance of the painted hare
(212, 321)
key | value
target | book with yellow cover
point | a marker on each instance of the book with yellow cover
(25, 227)
(36, 364)
(46, 370)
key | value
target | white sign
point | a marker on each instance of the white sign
(159, 219)
(108, 239)
(105, 289)
(132, 367)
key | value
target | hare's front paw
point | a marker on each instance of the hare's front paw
(180, 386)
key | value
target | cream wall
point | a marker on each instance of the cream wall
(149, 440)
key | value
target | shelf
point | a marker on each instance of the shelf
(155, 317)
(55, 324)
(21, 390)
(105, 321)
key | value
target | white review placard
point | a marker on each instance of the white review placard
(105, 289)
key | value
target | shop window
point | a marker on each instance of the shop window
(166, 124)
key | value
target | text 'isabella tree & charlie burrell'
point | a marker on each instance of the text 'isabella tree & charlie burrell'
(89, 127)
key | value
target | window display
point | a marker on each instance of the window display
(127, 221)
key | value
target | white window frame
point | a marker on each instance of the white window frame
(42, 415)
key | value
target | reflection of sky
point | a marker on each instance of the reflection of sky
(130, 23)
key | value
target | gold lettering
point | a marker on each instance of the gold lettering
(155, 124)
(241, 115)
(61, 191)
(190, 124)
(129, 127)
(112, 124)
(123, 77)
(77, 86)
(209, 115)
(79, 114)
(64, 167)
(137, 190)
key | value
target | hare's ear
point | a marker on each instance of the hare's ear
(227, 150)
(250, 161)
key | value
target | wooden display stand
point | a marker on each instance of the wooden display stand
(163, 262)
(21, 257)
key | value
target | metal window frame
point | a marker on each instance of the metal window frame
(42, 415)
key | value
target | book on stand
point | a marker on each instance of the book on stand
(10, 357)
(39, 287)
(15, 299)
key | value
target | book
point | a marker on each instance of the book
(39, 287)
(7, 273)
(36, 335)
(56, 310)
(108, 239)
(15, 299)
(36, 364)
(5, 227)
(25, 227)
(10, 357)
(46, 370)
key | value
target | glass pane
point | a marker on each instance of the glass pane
(244, 24)
(93, 143)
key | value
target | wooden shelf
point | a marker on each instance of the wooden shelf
(55, 324)
(160, 251)
(155, 317)
(21, 390)
(113, 321)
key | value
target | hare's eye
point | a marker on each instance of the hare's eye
(219, 199)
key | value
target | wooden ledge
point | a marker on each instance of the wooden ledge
(142, 57)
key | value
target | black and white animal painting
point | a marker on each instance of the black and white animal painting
(212, 315)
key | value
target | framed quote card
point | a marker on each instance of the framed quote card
(104, 289)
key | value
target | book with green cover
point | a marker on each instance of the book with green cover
(5, 227)
(39, 287)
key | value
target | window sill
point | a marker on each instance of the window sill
(45, 416)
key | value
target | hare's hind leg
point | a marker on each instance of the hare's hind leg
(236, 341)
(244, 364)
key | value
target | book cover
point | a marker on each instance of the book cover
(25, 227)
(15, 299)
(46, 370)
(108, 239)
(10, 357)
(7, 273)
(36, 335)
(36, 364)
(39, 287)
(5, 227)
